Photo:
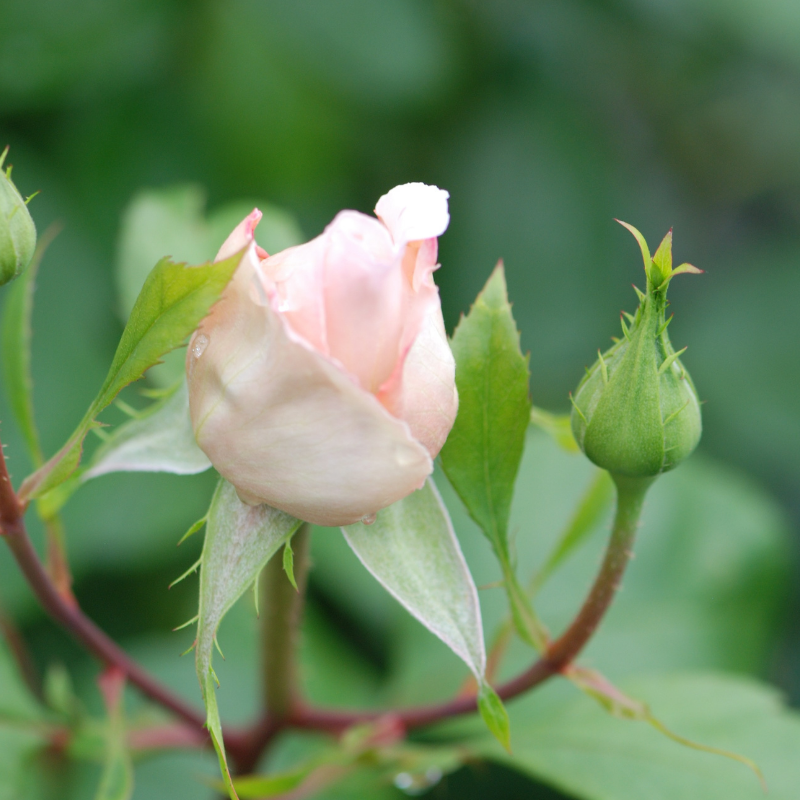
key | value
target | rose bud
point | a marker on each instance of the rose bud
(636, 411)
(17, 231)
(322, 382)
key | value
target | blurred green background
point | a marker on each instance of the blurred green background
(543, 118)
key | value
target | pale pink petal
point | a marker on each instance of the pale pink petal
(430, 399)
(241, 236)
(414, 211)
(284, 424)
(365, 298)
(297, 277)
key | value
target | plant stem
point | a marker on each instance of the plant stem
(12, 528)
(281, 610)
(57, 563)
(559, 654)
(630, 498)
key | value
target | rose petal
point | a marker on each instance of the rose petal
(368, 303)
(240, 236)
(414, 211)
(285, 425)
(297, 277)
(430, 398)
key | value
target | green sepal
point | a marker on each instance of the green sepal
(494, 714)
(636, 412)
(288, 564)
(17, 229)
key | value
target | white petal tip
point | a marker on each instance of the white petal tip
(414, 211)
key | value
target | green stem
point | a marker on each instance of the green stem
(630, 498)
(281, 609)
(528, 625)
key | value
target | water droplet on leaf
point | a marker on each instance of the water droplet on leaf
(419, 782)
(368, 519)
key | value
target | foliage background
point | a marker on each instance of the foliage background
(543, 118)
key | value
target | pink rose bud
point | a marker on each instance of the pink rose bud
(322, 382)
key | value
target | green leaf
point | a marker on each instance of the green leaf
(258, 786)
(240, 539)
(172, 221)
(174, 299)
(483, 451)
(588, 754)
(494, 714)
(414, 554)
(16, 334)
(160, 439)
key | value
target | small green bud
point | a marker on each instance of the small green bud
(17, 231)
(636, 412)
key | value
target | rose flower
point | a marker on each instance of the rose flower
(322, 382)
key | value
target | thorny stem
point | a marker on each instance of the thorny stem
(285, 708)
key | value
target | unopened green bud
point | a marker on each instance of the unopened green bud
(636, 412)
(17, 231)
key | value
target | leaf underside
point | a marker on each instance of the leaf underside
(414, 554)
(239, 541)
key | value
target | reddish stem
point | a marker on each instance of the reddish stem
(560, 653)
(245, 747)
(12, 528)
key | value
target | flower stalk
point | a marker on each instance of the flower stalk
(281, 611)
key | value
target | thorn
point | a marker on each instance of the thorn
(188, 572)
(639, 293)
(187, 624)
(189, 648)
(575, 406)
(625, 330)
(3, 155)
(629, 317)
(603, 368)
(665, 325)
(670, 360)
(673, 415)
(219, 650)
(193, 529)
